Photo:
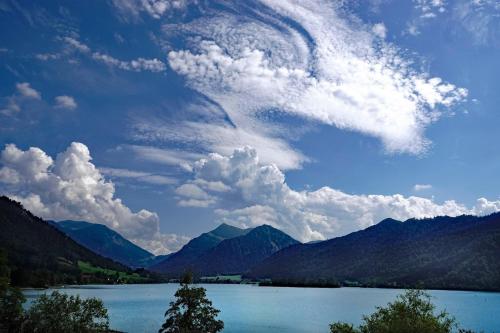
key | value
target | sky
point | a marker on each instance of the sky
(162, 119)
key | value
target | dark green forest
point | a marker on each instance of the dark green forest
(40, 255)
(439, 253)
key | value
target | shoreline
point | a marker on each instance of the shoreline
(82, 286)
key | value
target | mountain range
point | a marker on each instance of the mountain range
(440, 253)
(178, 262)
(225, 250)
(39, 254)
(108, 243)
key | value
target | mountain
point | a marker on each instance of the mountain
(106, 242)
(39, 254)
(178, 262)
(237, 255)
(443, 253)
(239, 251)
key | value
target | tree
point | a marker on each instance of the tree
(191, 312)
(62, 313)
(11, 299)
(410, 312)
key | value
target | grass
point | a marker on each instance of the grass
(121, 277)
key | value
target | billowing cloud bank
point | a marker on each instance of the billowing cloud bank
(305, 59)
(245, 192)
(71, 187)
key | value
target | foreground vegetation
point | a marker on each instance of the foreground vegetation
(55, 313)
(411, 312)
(191, 311)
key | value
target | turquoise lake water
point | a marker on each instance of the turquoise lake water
(248, 309)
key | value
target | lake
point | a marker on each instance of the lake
(247, 308)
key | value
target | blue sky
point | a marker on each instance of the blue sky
(317, 117)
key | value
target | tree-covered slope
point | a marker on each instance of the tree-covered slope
(38, 253)
(106, 242)
(237, 255)
(178, 262)
(443, 252)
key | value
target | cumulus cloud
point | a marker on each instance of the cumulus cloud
(193, 196)
(71, 187)
(325, 68)
(256, 193)
(65, 102)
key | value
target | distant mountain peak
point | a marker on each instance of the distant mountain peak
(106, 242)
(388, 221)
(224, 226)
(265, 228)
(226, 249)
(225, 230)
(182, 259)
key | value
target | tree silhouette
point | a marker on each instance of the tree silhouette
(11, 299)
(191, 312)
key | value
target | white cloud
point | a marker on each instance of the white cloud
(140, 176)
(380, 30)
(154, 8)
(77, 45)
(193, 196)
(48, 56)
(422, 187)
(160, 155)
(11, 107)
(479, 19)
(345, 76)
(413, 28)
(26, 90)
(221, 138)
(71, 187)
(424, 12)
(65, 102)
(135, 65)
(24, 94)
(430, 8)
(257, 193)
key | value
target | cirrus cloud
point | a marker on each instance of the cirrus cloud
(326, 68)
